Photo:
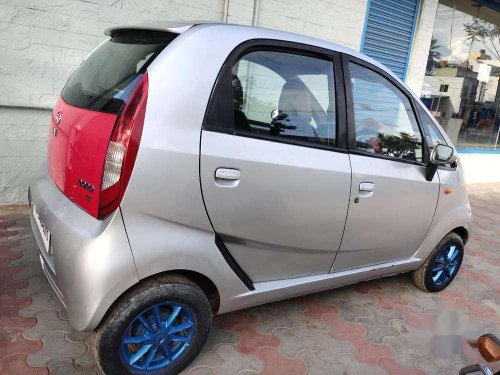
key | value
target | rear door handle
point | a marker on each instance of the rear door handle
(227, 177)
(227, 174)
(366, 189)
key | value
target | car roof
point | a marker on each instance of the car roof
(264, 33)
(181, 27)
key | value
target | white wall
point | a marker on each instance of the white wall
(23, 137)
(421, 44)
(480, 168)
(42, 42)
(338, 21)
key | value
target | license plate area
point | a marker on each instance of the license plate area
(42, 228)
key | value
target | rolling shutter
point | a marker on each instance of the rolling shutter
(388, 33)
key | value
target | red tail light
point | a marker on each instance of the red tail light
(122, 149)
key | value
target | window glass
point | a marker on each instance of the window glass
(434, 134)
(106, 78)
(464, 58)
(285, 95)
(384, 121)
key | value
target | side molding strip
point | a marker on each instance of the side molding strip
(233, 264)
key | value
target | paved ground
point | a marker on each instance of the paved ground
(380, 327)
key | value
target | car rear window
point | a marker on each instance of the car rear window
(105, 79)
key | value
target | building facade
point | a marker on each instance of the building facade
(462, 75)
(423, 41)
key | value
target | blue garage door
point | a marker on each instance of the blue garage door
(388, 34)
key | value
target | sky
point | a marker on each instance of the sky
(449, 31)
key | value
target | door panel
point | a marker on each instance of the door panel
(392, 222)
(285, 215)
(392, 204)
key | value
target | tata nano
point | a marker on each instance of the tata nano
(200, 169)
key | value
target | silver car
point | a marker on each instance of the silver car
(200, 169)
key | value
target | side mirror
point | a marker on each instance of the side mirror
(441, 154)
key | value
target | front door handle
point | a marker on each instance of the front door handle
(227, 177)
(227, 174)
(366, 189)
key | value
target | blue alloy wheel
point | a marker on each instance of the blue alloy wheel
(446, 265)
(157, 337)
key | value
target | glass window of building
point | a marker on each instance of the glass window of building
(461, 86)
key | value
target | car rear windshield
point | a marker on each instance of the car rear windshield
(106, 78)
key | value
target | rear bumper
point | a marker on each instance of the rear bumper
(90, 263)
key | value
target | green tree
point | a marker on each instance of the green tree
(433, 53)
(486, 33)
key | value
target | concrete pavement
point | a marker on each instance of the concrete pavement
(386, 326)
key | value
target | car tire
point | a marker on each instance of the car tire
(174, 299)
(428, 276)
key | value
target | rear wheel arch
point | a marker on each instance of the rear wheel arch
(203, 282)
(463, 233)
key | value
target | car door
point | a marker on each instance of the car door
(392, 204)
(274, 177)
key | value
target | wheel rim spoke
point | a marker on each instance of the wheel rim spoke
(452, 252)
(172, 316)
(180, 338)
(145, 323)
(438, 275)
(139, 353)
(156, 313)
(438, 268)
(166, 351)
(181, 327)
(150, 357)
(136, 339)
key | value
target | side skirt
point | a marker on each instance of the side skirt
(270, 291)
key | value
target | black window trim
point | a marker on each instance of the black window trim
(276, 45)
(428, 138)
(420, 107)
(351, 130)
